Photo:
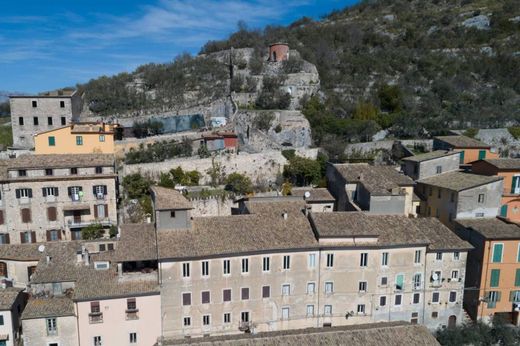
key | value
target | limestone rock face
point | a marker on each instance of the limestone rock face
(480, 22)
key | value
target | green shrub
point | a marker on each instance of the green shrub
(91, 232)
(263, 121)
(239, 184)
(471, 132)
(514, 131)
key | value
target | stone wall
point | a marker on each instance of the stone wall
(261, 167)
(214, 206)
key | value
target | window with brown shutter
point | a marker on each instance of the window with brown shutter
(94, 307)
(226, 295)
(33, 237)
(205, 297)
(245, 293)
(266, 291)
(1, 217)
(26, 215)
(51, 213)
(186, 299)
(3, 269)
(95, 316)
(4, 238)
(131, 304)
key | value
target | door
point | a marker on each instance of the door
(77, 216)
(503, 210)
(452, 321)
(481, 154)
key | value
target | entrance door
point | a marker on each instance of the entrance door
(452, 321)
(77, 216)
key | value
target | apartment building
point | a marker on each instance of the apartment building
(31, 114)
(78, 138)
(493, 271)
(273, 268)
(430, 164)
(52, 197)
(509, 169)
(470, 149)
(375, 189)
(12, 302)
(459, 195)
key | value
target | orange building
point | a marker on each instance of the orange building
(492, 283)
(509, 169)
(470, 148)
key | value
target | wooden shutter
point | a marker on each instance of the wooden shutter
(17, 193)
(106, 210)
(94, 190)
(33, 237)
(94, 307)
(95, 211)
(7, 240)
(56, 190)
(48, 235)
(30, 193)
(1, 217)
(72, 235)
(105, 190)
(3, 269)
(227, 295)
(69, 189)
(186, 299)
(26, 215)
(51, 213)
(59, 234)
(44, 192)
(22, 237)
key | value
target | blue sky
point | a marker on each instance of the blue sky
(47, 44)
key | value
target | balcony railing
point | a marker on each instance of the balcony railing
(84, 223)
(132, 314)
(95, 317)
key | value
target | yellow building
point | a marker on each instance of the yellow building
(80, 138)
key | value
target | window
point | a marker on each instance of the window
(453, 297)
(330, 260)
(48, 171)
(244, 316)
(285, 313)
(399, 282)
(97, 341)
(245, 265)
(63, 121)
(497, 253)
(416, 298)
(1, 320)
(310, 310)
(26, 215)
(53, 235)
(435, 297)
(456, 256)
(226, 295)
(362, 286)
(382, 301)
(187, 321)
(438, 169)
(454, 274)
(75, 192)
(495, 278)
(517, 278)
(266, 264)
(479, 214)
(417, 278)
(22, 173)
(206, 320)
(415, 318)
(438, 256)
(384, 259)
(101, 138)
(28, 237)
(185, 270)
(481, 198)
(227, 317)
(286, 262)
(226, 267)
(430, 192)
(436, 277)
(244, 293)
(266, 291)
(52, 327)
(4, 238)
(493, 298)
(327, 310)
(205, 268)
(36, 121)
(95, 313)
(329, 287)
(439, 193)
(100, 191)
(99, 170)
(398, 299)
(62, 104)
(49, 121)
(133, 338)
(312, 260)
(20, 121)
(52, 141)
(384, 281)
(186, 299)
(435, 314)
(131, 304)
(286, 289)
(363, 262)
(73, 171)
(361, 308)
(79, 140)
(311, 288)
(205, 297)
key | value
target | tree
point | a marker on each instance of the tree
(365, 111)
(136, 186)
(391, 98)
(263, 121)
(239, 184)
(94, 231)
(302, 171)
(215, 173)
(203, 151)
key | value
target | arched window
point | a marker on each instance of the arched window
(3, 269)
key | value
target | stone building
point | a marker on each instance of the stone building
(375, 189)
(52, 197)
(470, 149)
(430, 164)
(459, 195)
(31, 114)
(12, 302)
(278, 52)
(274, 269)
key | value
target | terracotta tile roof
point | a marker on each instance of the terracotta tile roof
(492, 228)
(60, 161)
(166, 199)
(137, 243)
(378, 180)
(8, 297)
(462, 142)
(431, 155)
(316, 194)
(48, 307)
(505, 164)
(62, 265)
(459, 181)
(389, 229)
(20, 252)
(373, 334)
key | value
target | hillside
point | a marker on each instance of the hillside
(414, 67)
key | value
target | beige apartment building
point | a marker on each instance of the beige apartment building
(52, 197)
(275, 268)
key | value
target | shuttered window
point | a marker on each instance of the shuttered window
(226, 295)
(205, 297)
(51, 213)
(186, 299)
(266, 291)
(26, 215)
(94, 307)
(497, 253)
(517, 278)
(495, 278)
(3, 269)
(245, 293)
(1, 217)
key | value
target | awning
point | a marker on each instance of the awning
(77, 207)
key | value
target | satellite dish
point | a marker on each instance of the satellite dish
(307, 194)
(41, 248)
(435, 276)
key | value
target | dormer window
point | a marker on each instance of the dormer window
(48, 172)
(22, 173)
(99, 170)
(73, 171)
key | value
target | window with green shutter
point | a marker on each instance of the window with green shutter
(497, 253)
(461, 157)
(52, 141)
(495, 277)
(503, 210)
(481, 154)
(517, 278)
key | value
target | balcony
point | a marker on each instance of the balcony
(95, 317)
(132, 314)
(83, 223)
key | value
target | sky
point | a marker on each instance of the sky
(50, 44)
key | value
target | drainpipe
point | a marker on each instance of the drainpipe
(485, 278)
(424, 286)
